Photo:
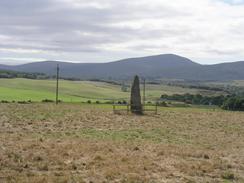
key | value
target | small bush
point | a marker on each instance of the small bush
(163, 104)
(4, 101)
(124, 102)
(89, 101)
(97, 102)
(47, 101)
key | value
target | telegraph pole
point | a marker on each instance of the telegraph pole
(144, 91)
(57, 84)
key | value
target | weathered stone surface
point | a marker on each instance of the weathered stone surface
(136, 106)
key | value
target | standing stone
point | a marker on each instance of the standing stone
(135, 100)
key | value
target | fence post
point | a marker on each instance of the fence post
(156, 110)
(127, 108)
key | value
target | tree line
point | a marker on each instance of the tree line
(15, 74)
(227, 102)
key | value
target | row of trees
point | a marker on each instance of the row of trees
(229, 102)
(14, 74)
(196, 99)
(234, 104)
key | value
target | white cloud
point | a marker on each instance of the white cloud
(104, 30)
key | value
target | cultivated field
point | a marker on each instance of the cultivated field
(78, 91)
(86, 143)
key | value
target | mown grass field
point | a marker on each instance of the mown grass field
(76, 91)
(88, 143)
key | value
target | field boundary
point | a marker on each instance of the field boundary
(127, 108)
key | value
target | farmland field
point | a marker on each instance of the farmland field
(88, 143)
(77, 91)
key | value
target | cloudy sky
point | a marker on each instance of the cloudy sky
(206, 31)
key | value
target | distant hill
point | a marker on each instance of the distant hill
(166, 66)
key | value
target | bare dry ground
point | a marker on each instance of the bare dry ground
(74, 143)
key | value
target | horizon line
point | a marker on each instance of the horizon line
(122, 59)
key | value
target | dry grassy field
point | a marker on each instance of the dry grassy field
(75, 143)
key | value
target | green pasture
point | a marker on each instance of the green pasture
(76, 91)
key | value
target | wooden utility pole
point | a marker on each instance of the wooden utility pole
(57, 84)
(144, 92)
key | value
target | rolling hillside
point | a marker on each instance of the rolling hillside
(77, 91)
(166, 66)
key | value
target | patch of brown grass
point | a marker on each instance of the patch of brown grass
(70, 143)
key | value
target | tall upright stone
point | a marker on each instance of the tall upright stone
(135, 100)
